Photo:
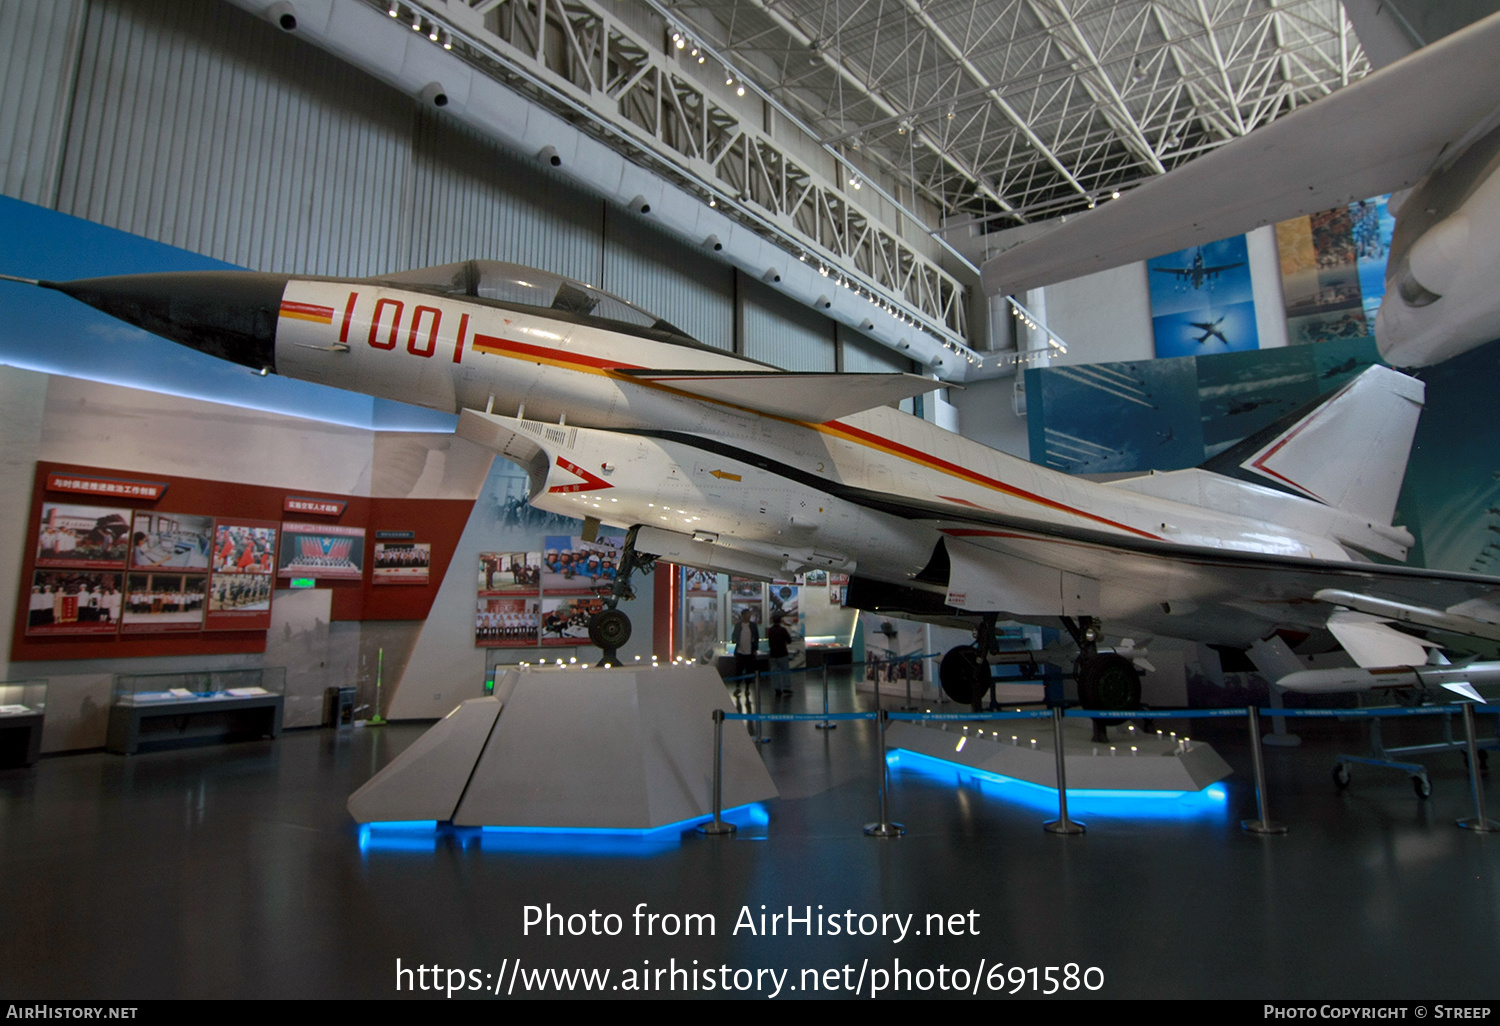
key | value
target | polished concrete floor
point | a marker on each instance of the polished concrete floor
(235, 871)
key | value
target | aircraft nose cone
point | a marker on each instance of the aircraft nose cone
(228, 314)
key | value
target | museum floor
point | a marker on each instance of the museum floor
(235, 871)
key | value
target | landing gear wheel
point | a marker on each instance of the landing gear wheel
(1108, 682)
(1422, 786)
(965, 676)
(1340, 775)
(609, 629)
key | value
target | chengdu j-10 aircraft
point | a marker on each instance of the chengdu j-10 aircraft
(715, 461)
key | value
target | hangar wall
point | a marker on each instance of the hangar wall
(199, 126)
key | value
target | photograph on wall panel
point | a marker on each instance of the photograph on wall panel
(163, 603)
(401, 563)
(565, 620)
(170, 541)
(85, 537)
(73, 602)
(572, 566)
(1202, 301)
(700, 613)
(507, 622)
(510, 573)
(244, 565)
(322, 551)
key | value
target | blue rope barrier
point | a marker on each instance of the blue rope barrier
(790, 717)
(1152, 714)
(970, 717)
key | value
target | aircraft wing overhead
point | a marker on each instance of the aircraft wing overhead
(812, 397)
(1380, 134)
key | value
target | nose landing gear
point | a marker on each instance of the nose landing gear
(610, 627)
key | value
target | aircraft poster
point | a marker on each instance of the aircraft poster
(1333, 270)
(1202, 302)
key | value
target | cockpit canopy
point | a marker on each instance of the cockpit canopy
(515, 285)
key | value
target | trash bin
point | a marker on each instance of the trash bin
(338, 706)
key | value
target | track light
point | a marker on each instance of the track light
(740, 91)
(394, 11)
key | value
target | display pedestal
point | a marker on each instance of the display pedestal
(145, 726)
(1130, 761)
(618, 749)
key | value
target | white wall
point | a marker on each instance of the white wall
(1102, 318)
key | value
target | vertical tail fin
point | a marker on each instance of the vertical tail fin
(1349, 452)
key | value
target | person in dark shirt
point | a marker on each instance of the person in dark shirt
(746, 642)
(777, 639)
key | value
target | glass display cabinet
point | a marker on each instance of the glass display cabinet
(168, 710)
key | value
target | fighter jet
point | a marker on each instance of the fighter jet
(1210, 330)
(1199, 275)
(1422, 128)
(711, 460)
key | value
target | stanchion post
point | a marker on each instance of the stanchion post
(1062, 824)
(1264, 824)
(825, 725)
(884, 828)
(718, 826)
(758, 738)
(908, 706)
(1478, 824)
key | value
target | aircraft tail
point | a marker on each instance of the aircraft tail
(1348, 451)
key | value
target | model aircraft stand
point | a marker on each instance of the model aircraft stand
(1420, 781)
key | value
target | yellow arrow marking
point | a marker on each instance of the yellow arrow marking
(724, 474)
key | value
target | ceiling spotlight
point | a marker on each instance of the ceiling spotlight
(729, 80)
(1091, 203)
(700, 58)
(432, 34)
(712, 202)
(681, 42)
(676, 37)
(394, 11)
(416, 23)
(1115, 194)
(694, 51)
(740, 91)
(854, 181)
(903, 127)
(952, 111)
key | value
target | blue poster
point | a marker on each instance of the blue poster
(1202, 302)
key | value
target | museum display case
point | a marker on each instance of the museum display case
(23, 705)
(164, 710)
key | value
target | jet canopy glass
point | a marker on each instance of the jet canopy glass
(515, 285)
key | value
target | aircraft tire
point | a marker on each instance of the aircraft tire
(964, 676)
(609, 629)
(1109, 682)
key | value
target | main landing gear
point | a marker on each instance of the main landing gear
(610, 627)
(965, 671)
(1105, 681)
